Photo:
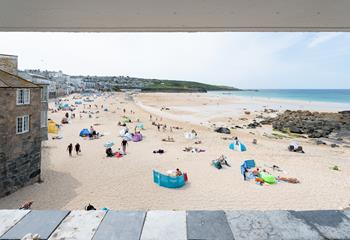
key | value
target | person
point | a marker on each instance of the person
(124, 110)
(124, 143)
(27, 205)
(236, 141)
(158, 126)
(194, 132)
(70, 149)
(150, 117)
(178, 172)
(109, 152)
(89, 207)
(67, 115)
(245, 171)
(77, 148)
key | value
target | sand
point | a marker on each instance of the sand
(126, 183)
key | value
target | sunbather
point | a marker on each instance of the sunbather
(286, 179)
(178, 172)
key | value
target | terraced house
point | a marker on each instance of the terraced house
(23, 126)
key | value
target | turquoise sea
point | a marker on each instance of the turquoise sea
(310, 95)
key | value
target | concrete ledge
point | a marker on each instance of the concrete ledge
(176, 225)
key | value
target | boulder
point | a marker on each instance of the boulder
(224, 130)
(296, 130)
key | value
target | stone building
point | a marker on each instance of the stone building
(21, 131)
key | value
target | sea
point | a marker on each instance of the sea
(309, 95)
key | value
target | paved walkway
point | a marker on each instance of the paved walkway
(175, 225)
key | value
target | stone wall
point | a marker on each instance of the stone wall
(20, 154)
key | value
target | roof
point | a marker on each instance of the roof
(8, 80)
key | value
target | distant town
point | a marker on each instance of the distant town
(61, 84)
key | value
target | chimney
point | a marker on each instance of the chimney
(8, 63)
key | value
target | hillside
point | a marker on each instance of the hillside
(183, 86)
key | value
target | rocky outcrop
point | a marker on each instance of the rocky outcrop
(312, 124)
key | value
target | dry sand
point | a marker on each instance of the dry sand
(126, 183)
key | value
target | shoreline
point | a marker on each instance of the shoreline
(321, 105)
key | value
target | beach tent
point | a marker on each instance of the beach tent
(78, 102)
(122, 132)
(109, 144)
(140, 126)
(128, 136)
(169, 181)
(137, 137)
(126, 120)
(84, 133)
(64, 106)
(190, 135)
(52, 127)
(238, 146)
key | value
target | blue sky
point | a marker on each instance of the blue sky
(244, 60)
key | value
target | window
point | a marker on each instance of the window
(44, 94)
(43, 119)
(23, 96)
(22, 124)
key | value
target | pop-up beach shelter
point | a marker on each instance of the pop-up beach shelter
(83, 133)
(247, 164)
(238, 146)
(137, 137)
(190, 135)
(52, 127)
(140, 126)
(64, 106)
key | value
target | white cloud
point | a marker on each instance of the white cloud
(244, 60)
(322, 38)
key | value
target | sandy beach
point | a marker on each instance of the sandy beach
(127, 183)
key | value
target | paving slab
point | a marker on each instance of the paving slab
(79, 225)
(36, 222)
(160, 225)
(9, 218)
(272, 225)
(208, 225)
(347, 213)
(329, 223)
(121, 225)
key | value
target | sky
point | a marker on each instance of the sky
(243, 60)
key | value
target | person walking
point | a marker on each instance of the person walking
(70, 149)
(124, 143)
(77, 148)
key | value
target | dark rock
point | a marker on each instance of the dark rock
(314, 124)
(224, 130)
(333, 145)
(319, 142)
(296, 130)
